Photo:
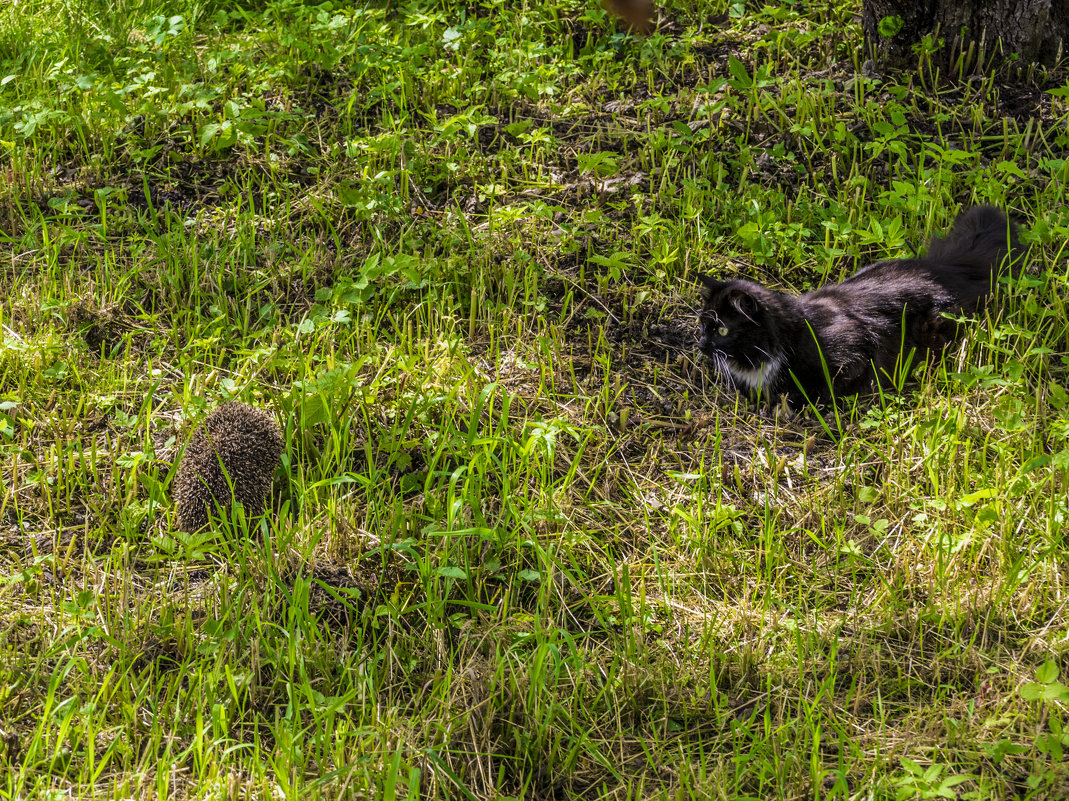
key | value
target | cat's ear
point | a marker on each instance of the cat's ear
(745, 302)
(709, 286)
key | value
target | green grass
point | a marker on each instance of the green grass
(521, 545)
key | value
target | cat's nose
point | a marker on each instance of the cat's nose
(702, 343)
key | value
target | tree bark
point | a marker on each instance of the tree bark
(1036, 30)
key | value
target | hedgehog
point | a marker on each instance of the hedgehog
(237, 446)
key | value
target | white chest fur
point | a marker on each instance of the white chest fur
(754, 378)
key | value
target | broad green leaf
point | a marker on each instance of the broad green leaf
(1047, 672)
(739, 73)
(890, 26)
(1055, 692)
(1030, 691)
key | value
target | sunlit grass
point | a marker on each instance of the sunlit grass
(520, 544)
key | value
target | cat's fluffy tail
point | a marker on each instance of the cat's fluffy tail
(979, 242)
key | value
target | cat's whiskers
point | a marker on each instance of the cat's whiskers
(722, 366)
(754, 378)
(758, 377)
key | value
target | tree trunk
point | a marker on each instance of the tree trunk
(1036, 30)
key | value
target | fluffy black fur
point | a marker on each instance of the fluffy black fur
(868, 328)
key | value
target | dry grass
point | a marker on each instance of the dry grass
(521, 545)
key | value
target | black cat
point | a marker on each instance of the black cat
(869, 328)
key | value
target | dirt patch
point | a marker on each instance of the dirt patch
(101, 329)
(344, 595)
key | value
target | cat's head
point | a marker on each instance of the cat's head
(738, 331)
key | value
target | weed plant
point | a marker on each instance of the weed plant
(520, 544)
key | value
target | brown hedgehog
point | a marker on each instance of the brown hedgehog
(237, 446)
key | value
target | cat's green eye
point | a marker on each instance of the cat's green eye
(722, 330)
